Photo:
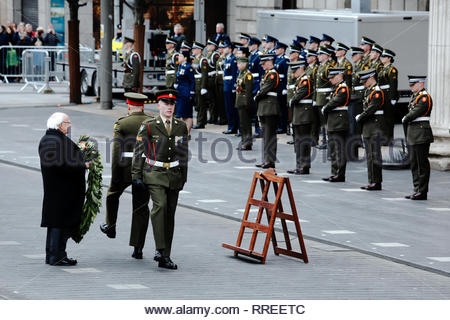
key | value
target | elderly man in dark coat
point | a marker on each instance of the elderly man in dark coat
(63, 174)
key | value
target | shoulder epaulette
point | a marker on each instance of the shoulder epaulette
(376, 88)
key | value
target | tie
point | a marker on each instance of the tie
(168, 127)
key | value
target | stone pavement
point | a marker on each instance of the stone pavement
(206, 270)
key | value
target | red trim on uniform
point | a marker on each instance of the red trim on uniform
(167, 96)
(135, 103)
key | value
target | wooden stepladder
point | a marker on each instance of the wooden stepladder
(273, 211)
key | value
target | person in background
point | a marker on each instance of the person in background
(63, 175)
(220, 35)
(178, 35)
(185, 84)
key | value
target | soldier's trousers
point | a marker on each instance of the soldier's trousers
(317, 123)
(338, 152)
(374, 159)
(420, 166)
(232, 113)
(283, 119)
(354, 130)
(389, 119)
(213, 112)
(220, 103)
(245, 122)
(302, 144)
(269, 126)
(163, 216)
(139, 220)
(202, 106)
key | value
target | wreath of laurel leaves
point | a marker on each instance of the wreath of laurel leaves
(93, 196)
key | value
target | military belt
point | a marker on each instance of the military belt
(385, 86)
(340, 108)
(255, 75)
(130, 155)
(228, 78)
(220, 72)
(166, 165)
(211, 73)
(170, 71)
(273, 94)
(281, 76)
(358, 88)
(421, 119)
(324, 89)
(291, 86)
(379, 112)
(197, 76)
(305, 101)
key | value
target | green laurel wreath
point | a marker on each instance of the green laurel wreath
(93, 200)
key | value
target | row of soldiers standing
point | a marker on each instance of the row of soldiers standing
(313, 88)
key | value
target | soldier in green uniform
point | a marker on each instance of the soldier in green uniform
(269, 110)
(171, 62)
(302, 116)
(160, 165)
(311, 60)
(371, 119)
(243, 103)
(294, 55)
(366, 45)
(388, 82)
(200, 65)
(419, 136)
(125, 131)
(212, 57)
(322, 91)
(131, 67)
(335, 111)
(342, 62)
(220, 102)
(374, 58)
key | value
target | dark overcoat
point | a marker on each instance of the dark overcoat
(63, 175)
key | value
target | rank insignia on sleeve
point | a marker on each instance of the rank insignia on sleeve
(377, 95)
(343, 90)
(139, 138)
(424, 99)
(249, 77)
(272, 76)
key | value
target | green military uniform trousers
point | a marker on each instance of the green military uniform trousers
(302, 144)
(220, 102)
(337, 142)
(269, 125)
(213, 112)
(163, 216)
(245, 126)
(374, 159)
(420, 166)
(202, 108)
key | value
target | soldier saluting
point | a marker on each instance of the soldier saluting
(125, 131)
(243, 103)
(372, 121)
(171, 62)
(131, 66)
(419, 136)
(162, 171)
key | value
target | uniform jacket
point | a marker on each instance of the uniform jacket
(282, 68)
(267, 95)
(388, 76)
(185, 80)
(124, 140)
(255, 68)
(219, 70)
(200, 66)
(132, 66)
(419, 132)
(323, 83)
(156, 144)
(230, 73)
(291, 82)
(244, 88)
(376, 64)
(357, 88)
(171, 68)
(63, 176)
(301, 103)
(347, 65)
(336, 108)
(373, 101)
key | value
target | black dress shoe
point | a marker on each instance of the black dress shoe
(237, 134)
(165, 262)
(336, 179)
(158, 256)
(266, 165)
(230, 132)
(244, 148)
(137, 253)
(409, 196)
(198, 126)
(257, 135)
(327, 178)
(419, 196)
(374, 187)
(280, 131)
(321, 146)
(109, 231)
(290, 142)
(299, 171)
(65, 262)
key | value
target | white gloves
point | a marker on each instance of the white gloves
(233, 91)
(314, 103)
(175, 85)
(290, 103)
(357, 117)
(323, 110)
(284, 92)
(203, 91)
(404, 119)
(393, 102)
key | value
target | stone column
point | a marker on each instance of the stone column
(439, 81)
